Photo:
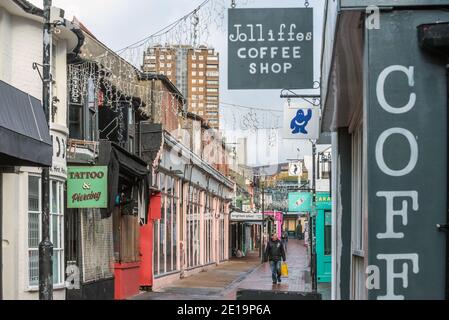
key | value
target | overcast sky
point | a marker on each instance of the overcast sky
(119, 23)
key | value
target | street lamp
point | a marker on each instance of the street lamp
(45, 246)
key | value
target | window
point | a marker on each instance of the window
(83, 119)
(169, 57)
(201, 74)
(162, 65)
(212, 82)
(213, 90)
(194, 73)
(193, 65)
(161, 57)
(212, 73)
(208, 230)
(56, 229)
(200, 81)
(200, 97)
(165, 235)
(212, 98)
(201, 57)
(168, 65)
(194, 81)
(168, 73)
(76, 122)
(194, 57)
(201, 89)
(201, 65)
(194, 89)
(194, 210)
(211, 106)
(212, 66)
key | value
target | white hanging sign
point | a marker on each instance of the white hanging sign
(301, 121)
(295, 169)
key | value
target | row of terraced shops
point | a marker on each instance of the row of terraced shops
(132, 206)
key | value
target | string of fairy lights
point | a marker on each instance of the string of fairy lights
(111, 72)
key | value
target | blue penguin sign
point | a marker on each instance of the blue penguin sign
(301, 123)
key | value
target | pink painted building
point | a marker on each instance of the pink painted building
(278, 218)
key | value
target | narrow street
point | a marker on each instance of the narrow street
(225, 281)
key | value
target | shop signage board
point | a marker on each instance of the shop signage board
(295, 169)
(323, 197)
(389, 3)
(406, 129)
(301, 121)
(237, 216)
(299, 202)
(270, 48)
(87, 187)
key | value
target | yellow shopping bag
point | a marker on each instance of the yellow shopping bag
(284, 269)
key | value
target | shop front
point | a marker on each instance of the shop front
(25, 140)
(324, 236)
(106, 204)
(188, 227)
(245, 233)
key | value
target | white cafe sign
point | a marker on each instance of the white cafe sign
(237, 216)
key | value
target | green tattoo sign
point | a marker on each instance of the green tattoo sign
(87, 187)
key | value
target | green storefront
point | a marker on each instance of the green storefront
(323, 236)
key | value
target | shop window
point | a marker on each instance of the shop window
(193, 228)
(165, 234)
(96, 245)
(56, 229)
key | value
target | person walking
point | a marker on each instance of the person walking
(275, 253)
(299, 231)
(285, 239)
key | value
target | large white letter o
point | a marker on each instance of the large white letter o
(413, 152)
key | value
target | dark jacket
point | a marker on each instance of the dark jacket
(275, 251)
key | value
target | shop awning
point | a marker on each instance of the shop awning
(24, 134)
(120, 161)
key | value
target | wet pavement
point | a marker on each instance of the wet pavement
(224, 281)
(298, 279)
(208, 285)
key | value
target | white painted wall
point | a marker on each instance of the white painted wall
(21, 40)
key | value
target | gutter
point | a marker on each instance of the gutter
(29, 7)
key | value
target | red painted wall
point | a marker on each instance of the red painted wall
(146, 242)
(126, 280)
(146, 251)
